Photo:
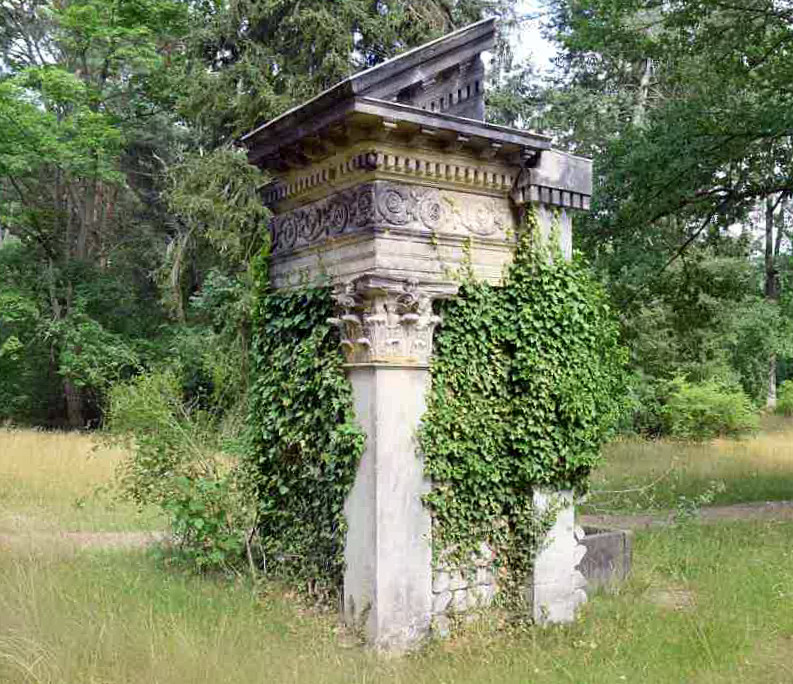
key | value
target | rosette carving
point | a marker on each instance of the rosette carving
(388, 204)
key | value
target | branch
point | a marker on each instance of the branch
(680, 250)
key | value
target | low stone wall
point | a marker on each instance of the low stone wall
(460, 591)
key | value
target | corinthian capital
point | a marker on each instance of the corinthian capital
(387, 320)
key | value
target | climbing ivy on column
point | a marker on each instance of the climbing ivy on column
(527, 381)
(305, 444)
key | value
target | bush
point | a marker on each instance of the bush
(178, 461)
(644, 406)
(700, 411)
(784, 398)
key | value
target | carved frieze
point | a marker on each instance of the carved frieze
(383, 320)
(387, 204)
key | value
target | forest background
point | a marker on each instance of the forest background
(129, 217)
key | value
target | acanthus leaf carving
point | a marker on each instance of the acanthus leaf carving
(384, 320)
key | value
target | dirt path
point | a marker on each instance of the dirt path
(763, 510)
(78, 541)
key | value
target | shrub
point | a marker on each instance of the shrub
(784, 398)
(700, 411)
(177, 462)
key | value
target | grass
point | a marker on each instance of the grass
(646, 475)
(56, 481)
(705, 604)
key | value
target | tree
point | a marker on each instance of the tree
(121, 179)
(74, 104)
(687, 111)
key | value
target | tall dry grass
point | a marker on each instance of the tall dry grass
(120, 617)
(62, 481)
(705, 604)
(642, 474)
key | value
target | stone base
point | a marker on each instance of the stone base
(556, 587)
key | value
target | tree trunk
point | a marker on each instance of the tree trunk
(643, 94)
(74, 405)
(771, 400)
(771, 289)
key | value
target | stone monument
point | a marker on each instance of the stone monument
(391, 186)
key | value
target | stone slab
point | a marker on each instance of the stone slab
(608, 557)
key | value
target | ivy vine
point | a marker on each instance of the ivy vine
(305, 444)
(526, 384)
(527, 381)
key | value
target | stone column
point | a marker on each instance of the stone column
(386, 327)
(556, 587)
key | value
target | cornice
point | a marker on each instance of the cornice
(371, 161)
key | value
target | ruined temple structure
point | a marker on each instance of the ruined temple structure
(391, 186)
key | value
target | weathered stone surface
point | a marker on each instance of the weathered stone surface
(481, 596)
(388, 581)
(458, 580)
(441, 602)
(484, 576)
(425, 77)
(385, 205)
(384, 320)
(382, 189)
(608, 557)
(460, 601)
(441, 582)
(556, 587)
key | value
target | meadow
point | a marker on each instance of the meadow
(705, 604)
(649, 475)
(63, 482)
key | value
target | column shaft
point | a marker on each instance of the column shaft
(388, 580)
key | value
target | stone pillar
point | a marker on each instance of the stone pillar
(556, 587)
(386, 328)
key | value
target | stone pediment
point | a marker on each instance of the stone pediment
(444, 75)
(365, 118)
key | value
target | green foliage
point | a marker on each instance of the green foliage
(305, 444)
(700, 411)
(686, 110)
(248, 61)
(176, 462)
(755, 330)
(18, 321)
(91, 356)
(218, 193)
(527, 383)
(81, 125)
(24, 358)
(784, 399)
(202, 518)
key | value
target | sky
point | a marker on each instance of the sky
(527, 41)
